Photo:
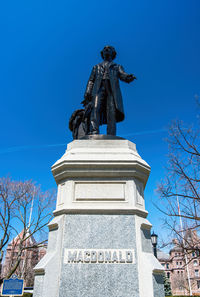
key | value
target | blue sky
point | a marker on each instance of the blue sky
(47, 51)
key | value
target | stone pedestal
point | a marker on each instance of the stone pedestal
(99, 241)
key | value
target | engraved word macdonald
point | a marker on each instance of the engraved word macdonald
(99, 256)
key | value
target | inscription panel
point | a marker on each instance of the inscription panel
(99, 256)
(99, 191)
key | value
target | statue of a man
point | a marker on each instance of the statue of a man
(104, 92)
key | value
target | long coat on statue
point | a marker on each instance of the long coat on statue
(116, 72)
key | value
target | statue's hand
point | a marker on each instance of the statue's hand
(88, 97)
(84, 102)
(130, 78)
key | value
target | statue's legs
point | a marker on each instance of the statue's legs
(110, 110)
(103, 106)
(111, 119)
(98, 105)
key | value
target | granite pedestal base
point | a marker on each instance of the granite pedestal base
(99, 241)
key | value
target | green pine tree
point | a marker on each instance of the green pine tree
(167, 286)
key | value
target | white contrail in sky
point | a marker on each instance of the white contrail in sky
(42, 146)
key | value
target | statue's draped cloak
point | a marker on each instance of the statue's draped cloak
(116, 72)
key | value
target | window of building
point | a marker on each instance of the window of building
(195, 263)
(176, 263)
(180, 263)
(168, 274)
(167, 265)
(196, 272)
(178, 272)
(198, 284)
(175, 254)
(193, 254)
(181, 288)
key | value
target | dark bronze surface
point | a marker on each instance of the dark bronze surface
(101, 137)
(102, 100)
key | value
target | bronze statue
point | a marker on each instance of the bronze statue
(79, 122)
(76, 124)
(103, 91)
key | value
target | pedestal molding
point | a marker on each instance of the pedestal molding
(141, 213)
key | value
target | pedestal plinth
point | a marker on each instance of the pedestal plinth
(99, 241)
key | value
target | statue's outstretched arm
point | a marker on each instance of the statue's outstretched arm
(90, 84)
(125, 76)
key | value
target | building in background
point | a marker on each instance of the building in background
(176, 268)
(30, 257)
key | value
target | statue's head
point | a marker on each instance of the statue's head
(108, 52)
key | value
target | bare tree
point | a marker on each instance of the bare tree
(25, 211)
(180, 190)
(180, 284)
(6, 204)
